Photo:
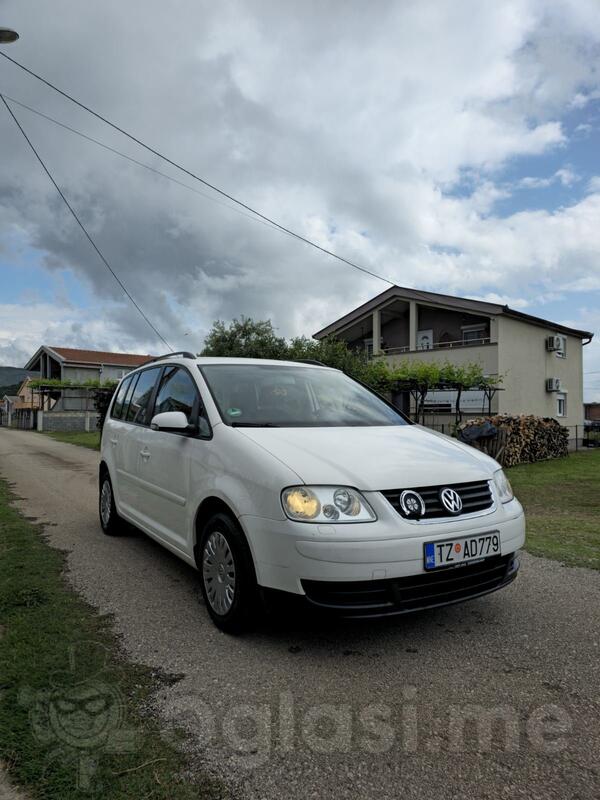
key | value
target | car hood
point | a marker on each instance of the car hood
(373, 458)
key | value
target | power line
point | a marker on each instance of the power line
(197, 177)
(139, 163)
(79, 222)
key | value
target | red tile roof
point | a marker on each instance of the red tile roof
(100, 357)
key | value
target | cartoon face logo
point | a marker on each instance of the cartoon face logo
(85, 715)
(79, 718)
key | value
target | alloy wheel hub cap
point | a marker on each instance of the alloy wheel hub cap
(105, 502)
(218, 573)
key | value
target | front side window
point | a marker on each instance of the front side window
(137, 411)
(177, 392)
(283, 396)
(117, 409)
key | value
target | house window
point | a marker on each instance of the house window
(561, 405)
(562, 352)
(473, 334)
(369, 346)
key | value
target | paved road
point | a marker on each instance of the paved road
(345, 711)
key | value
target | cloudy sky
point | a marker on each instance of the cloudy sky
(452, 146)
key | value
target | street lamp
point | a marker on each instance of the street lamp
(8, 36)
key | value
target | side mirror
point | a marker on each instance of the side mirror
(172, 422)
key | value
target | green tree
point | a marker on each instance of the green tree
(244, 338)
(248, 338)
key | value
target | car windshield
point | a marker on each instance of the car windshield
(269, 395)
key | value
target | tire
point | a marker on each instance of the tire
(227, 575)
(110, 521)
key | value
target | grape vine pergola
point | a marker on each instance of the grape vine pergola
(419, 391)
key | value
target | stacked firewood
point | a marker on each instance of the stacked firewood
(522, 439)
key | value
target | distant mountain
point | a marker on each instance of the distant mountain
(11, 377)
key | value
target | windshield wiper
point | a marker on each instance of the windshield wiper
(254, 425)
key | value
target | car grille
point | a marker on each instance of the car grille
(475, 496)
(415, 592)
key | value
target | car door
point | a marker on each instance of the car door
(165, 470)
(135, 419)
(116, 432)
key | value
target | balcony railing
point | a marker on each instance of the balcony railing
(390, 351)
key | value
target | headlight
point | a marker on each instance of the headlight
(503, 487)
(326, 504)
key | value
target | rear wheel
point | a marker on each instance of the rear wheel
(227, 574)
(110, 521)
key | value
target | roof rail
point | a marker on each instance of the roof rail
(312, 361)
(182, 353)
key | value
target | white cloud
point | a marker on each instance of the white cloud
(358, 129)
(594, 184)
(564, 176)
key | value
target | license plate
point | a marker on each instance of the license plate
(454, 552)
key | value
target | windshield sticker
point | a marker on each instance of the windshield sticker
(234, 412)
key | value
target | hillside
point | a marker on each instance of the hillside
(11, 378)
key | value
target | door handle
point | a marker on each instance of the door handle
(114, 442)
(145, 454)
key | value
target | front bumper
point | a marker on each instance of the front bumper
(289, 555)
(383, 598)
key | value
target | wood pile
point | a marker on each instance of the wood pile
(522, 439)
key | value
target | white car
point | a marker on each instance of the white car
(278, 477)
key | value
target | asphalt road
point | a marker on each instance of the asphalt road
(499, 697)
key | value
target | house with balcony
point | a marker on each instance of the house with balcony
(540, 361)
(73, 408)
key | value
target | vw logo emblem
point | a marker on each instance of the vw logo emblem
(451, 500)
(412, 504)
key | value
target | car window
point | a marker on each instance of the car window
(117, 408)
(294, 396)
(177, 392)
(130, 391)
(137, 411)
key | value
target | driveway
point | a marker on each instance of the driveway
(499, 697)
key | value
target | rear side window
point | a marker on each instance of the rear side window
(138, 410)
(177, 392)
(117, 409)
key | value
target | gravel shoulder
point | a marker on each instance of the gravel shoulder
(497, 697)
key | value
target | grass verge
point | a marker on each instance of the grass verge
(562, 503)
(89, 439)
(72, 720)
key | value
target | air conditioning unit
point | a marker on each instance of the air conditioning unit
(553, 343)
(553, 384)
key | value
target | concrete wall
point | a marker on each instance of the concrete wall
(395, 332)
(66, 421)
(447, 324)
(82, 374)
(526, 364)
(484, 354)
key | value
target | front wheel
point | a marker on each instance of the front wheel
(227, 573)
(110, 521)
